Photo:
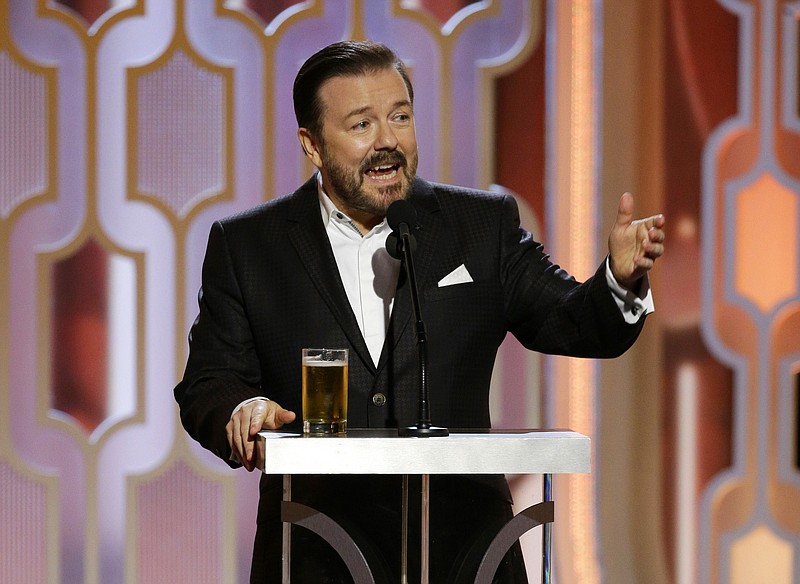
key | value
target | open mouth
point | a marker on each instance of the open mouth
(383, 172)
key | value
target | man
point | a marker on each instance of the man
(311, 269)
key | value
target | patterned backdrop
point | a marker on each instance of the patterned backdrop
(128, 126)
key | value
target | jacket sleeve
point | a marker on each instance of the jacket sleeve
(222, 369)
(547, 309)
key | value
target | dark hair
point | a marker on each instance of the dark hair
(345, 58)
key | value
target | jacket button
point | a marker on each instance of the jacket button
(379, 399)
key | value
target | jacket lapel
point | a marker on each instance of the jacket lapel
(307, 234)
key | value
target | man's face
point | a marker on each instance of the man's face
(367, 152)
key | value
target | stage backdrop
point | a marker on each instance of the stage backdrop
(128, 126)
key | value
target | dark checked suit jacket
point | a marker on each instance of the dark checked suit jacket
(271, 286)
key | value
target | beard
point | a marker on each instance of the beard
(349, 185)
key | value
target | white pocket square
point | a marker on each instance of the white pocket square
(458, 276)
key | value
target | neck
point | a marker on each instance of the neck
(364, 220)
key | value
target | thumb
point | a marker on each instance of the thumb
(285, 416)
(625, 210)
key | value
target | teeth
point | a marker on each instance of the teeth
(387, 176)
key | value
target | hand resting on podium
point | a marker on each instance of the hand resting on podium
(246, 422)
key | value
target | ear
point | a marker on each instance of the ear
(310, 146)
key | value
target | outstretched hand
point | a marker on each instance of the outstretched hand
(243, 426)
(634, 245)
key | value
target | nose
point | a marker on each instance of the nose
(386, 139)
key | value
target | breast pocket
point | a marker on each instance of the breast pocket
(465, 290)
(464, 317)
(470, 295)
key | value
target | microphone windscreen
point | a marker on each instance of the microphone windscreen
(401, 211)
(393, 246)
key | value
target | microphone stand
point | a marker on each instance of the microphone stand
(423, 429)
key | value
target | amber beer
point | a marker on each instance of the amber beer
(324, 391)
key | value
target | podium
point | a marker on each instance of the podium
(367, 451)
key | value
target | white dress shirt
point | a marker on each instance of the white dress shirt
(368, 272)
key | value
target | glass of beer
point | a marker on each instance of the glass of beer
(324, 392)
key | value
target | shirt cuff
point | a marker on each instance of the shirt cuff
(632, 306)
(245, 402)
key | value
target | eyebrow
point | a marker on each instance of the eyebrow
(366, 108)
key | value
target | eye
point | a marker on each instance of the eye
(362, 125)
(402, 118)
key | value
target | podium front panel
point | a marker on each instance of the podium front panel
(467, 452)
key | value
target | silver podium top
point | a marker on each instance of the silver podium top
(464, 452)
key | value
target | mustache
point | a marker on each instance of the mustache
(384, 158)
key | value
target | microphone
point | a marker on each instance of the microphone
(400, 216)
(401, 244)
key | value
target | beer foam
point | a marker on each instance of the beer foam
(319, 362)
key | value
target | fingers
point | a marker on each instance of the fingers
(656, 222)
(237, 438)
(659, 221)
(275, 418)
(656, 234)
(249, 428)
(284, 417)
(232, 429)
(653, 243)
(258, 416)
(247, 422)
